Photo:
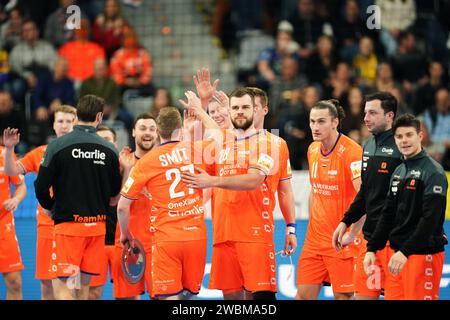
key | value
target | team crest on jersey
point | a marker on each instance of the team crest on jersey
(288, 167)
(265, 162)
(128, 184)
(355, 168)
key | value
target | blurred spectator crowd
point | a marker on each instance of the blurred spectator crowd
(299, 51)
(44, 63)
(325, 49)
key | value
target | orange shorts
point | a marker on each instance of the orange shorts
(421, 276)
(106, 258)
(177, 266)
(373, 285)
(124, 289)
(45, 259)
(243, 265)
(77, 253)
(315, 269)
(10, 259)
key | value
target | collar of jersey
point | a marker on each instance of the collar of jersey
(327, 154)
(252, 135)
(420, 155)
(167, 142)
(379, 138)
(84, 128)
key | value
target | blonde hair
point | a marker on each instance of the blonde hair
(168, 120)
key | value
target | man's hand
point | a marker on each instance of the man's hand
(224, 103)
(290, 244)
(338, 236)
(191, 125)
(11, 137)
(201, 180)
(126, 237)
(11, 204)
(193, 102)
(369, 261)
(203, 85)
(397, 262)
(127, 159)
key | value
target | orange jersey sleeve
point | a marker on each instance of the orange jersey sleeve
(32, 160)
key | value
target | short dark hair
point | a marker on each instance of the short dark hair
(257, 92)
(407, 120)
(105, 128)
(145, 115)
(334, 108)
(388, 101)
(88, 106)
(240, 92)
(169, 120)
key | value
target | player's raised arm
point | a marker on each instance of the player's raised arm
(204, 88)
(11, 137)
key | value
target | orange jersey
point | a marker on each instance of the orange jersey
(5, 190)
(31, 163)
(177, 210)
(247, 215)
(331, 178)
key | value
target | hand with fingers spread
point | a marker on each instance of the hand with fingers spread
(201, 180)
(193, 102)
(224, 102)
(11, 137)
(203, 85)
(369, 261)
(127, 159)
(397, 262)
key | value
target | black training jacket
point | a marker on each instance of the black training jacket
(83, 170)
(380, 158)
(413, 216)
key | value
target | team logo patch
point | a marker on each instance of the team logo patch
(128, 184)
(288, 168)
(265, 162)
(355, 167)
(412, 183)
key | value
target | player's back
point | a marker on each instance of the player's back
(331, 176)
(177, 210)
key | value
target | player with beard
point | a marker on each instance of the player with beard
(249, 167)
(64, 121)
(380, 158)
(146, 138)
(107, 258)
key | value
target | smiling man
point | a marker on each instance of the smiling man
(413, 216)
